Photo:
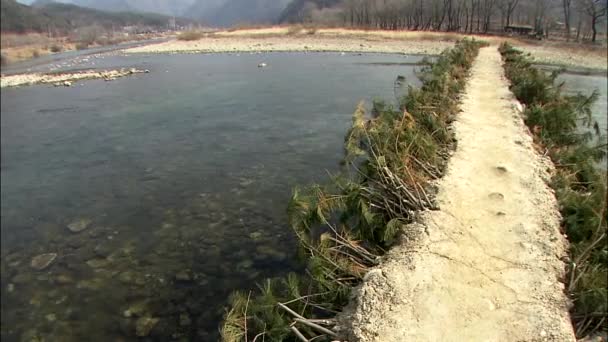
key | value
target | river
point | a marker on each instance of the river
(179, 178)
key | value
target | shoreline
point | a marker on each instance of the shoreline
(65, 79)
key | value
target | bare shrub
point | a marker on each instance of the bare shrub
(190, 35)
(56, 48)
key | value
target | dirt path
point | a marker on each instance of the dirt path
(487, 265)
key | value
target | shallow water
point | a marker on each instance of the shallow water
(184, 175)
(587, 84)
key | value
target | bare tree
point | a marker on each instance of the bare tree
(567, 16)
(594, 9)
(508, 7)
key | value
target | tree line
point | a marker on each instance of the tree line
(576, 19)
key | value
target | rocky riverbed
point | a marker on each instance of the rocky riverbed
(148, 290)
(65, 79)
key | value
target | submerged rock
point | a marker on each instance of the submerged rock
(42, 261)
(255, 235)
(136, 309)
(79, 225)
(265, 251)
(144, 325)
(103, 250)
(184, 275)
(64, 279)
(184, 320)
(97, 263)
(244, 265)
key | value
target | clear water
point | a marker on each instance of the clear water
(184, 174)
(587, 84)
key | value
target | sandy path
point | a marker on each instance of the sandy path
(486, 267)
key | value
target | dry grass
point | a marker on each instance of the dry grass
(190, 35)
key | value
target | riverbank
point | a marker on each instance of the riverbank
(290, 39)
(65, 79)
(486, 266)
(24, 47)
(392, 158)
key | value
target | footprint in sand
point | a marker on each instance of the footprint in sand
(501, 170)
(496, 196)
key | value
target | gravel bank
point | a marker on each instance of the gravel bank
(284, 39)
(64, 79)
(310, 43)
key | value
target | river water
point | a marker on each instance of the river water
(179, 179)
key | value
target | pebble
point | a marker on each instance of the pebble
(144, 325)
(79, 225)
(42, 261)
(184, 320)
(183, 275)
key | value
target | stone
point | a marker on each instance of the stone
(42, 261)
(265, 251)
(136, 309)
(67, 83)
(126, 277)
(103, 250)
(262, 65)
(144, 325)
(97, 263)
(22, 278)
(64, 279)
(10, 288)
(255, 235)
(184, 320)
(51, 317)
(244, 265)
(147, 71)
(79, 225)
(183, 275)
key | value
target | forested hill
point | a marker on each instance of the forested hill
(66, 17)
(298, 9)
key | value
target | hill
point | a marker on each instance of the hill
(166, 7)
(234, 12)
(297, 9)
(45, 15)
